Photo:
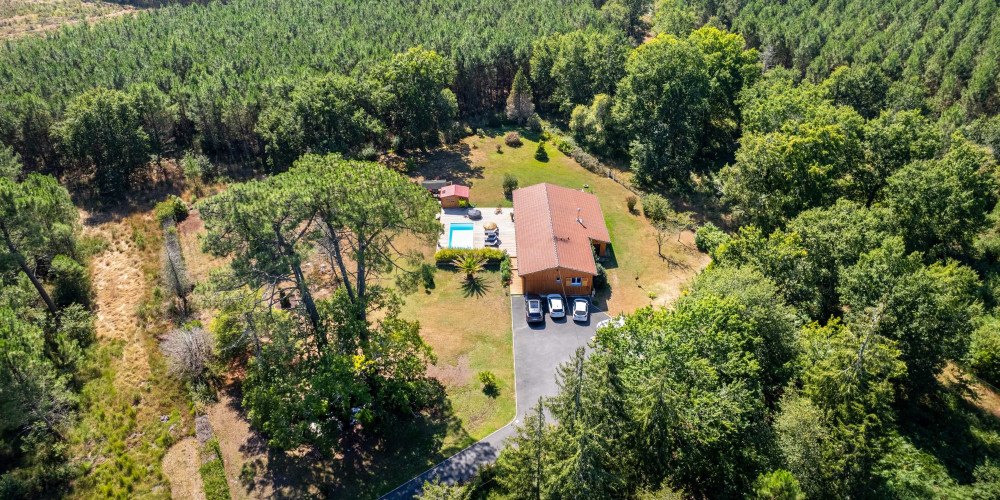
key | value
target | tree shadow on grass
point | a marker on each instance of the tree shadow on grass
(370, 463)
(476, 287)
(450, 163)
(944, 424)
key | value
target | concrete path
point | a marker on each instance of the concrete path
(538, 351)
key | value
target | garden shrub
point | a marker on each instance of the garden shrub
(505, 270)
(174, 207)
(489, 381)
(631, 201)
(655, 207)
(197, 168)
(540, 153)
(512, 139)
(490, 255)
(71, 280)
(509, 184)
(708, 237)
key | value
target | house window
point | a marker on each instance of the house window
(558, 280)
(576, 281)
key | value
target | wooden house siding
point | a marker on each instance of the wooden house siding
(557, 280)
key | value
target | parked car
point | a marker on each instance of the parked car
(533, 312)
(581, 309)
(557, 309)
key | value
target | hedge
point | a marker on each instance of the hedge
(491, 255)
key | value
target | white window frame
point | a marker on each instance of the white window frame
(576, 281)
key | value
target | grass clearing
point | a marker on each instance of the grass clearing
(638, 275)
(121, 435)
(25, 17)
(469, 329)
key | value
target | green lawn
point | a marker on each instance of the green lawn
(470, 331)
(476, 163)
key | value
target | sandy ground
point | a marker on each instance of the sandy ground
(119, 286)
(180, 465)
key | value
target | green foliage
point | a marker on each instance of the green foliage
(37, 218)
(436, 490)
(780, 256)
(509, 184)
(469, 264)
(594, 127)
(490, 255)
(570, 69)
(983, 355)
(940, 205)
(631, 201)
(950, 48)
(655, 207)
(323, 114)
(708, 237)
(505, 270)
(103, 130)
(198, 168)
(674, 17)
(414, 96)
(892, 140)
(71, 282)
(864, 88)
(489, 381)
(927, 309)
(777, 485)
(512, 139)
(519, 105)
(10, 163)
(213, 474)
(174, 208)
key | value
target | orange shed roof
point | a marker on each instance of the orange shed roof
(549, 233)
(454, 190)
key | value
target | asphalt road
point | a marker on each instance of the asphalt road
(538, 351)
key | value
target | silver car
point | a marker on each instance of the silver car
(581, 309)
(556, 307)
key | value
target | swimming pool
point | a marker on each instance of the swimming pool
(460, 235)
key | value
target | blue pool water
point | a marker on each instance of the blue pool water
(460, 235)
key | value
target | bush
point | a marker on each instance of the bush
(586, 160)
(490, 255)
(368, 153)
(188, 350)
(427, 276)
(601, 280)
(631, 201)
(174, 207)
(71, 280)
(655, 207)
(984, 350)
(499, 149)
(534, 123)
(480, 133)
(540, 153)
(197, 168)
(505, 270)
(565, 146)
(509, 184)
(77, 324)
(489, 381)
(708, 237)
(512, 139)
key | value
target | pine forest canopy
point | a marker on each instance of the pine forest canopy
(242, 44)
(948, 50)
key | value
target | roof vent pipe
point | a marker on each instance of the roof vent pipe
(578, 219)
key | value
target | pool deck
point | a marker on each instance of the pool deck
(502, 220)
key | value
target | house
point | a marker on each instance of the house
(453, 196)
(559, 230)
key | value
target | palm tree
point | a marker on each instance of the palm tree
(469, 264)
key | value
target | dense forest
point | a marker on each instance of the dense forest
(849, 150)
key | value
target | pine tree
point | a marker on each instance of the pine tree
(519, 105)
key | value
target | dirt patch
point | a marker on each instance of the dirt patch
(199, 264)
(180, 465)
(977, 394)
(452, 375)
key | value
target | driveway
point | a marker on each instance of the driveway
(538, 351)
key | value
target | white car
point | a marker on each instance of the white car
(581, 309)
(556, 307)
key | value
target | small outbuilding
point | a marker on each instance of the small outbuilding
(454, 196)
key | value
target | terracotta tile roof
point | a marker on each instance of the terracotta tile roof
(548, 233)
(454, 190)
